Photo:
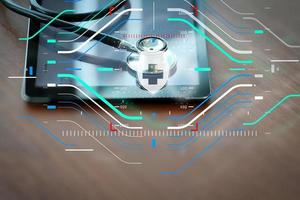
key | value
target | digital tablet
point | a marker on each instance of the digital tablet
(115, 82)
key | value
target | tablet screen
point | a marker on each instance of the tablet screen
(188, 47)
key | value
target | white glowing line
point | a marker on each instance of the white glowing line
(100, 30)
(22, 77)
(90, 27)
(235, 11)
(285, 61)
(123, 125)
(210, 31)
(120, 159)
(217, 25)
(270, 31)
(123, 134)
(209, 107)
(258, 97)
(79, 150)
(51, 85)
(258, 75)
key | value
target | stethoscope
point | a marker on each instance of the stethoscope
(150, 52)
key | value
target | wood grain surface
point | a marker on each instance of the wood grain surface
(266, 167)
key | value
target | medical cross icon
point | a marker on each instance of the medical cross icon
(153, 76)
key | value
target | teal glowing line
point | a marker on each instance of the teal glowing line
(51, 41)
(85, 23)
(202, 69)
(211, 41)
(46, 25)
(259, 32)
(270, 110)
(105, 69)
(85, 85)
(237, 69)
(51, 62)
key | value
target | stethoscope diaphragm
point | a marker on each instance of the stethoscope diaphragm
(153, 65)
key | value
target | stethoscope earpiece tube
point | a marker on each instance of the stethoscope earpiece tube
(71, 17)
(44, 15)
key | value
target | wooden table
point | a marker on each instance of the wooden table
(35, 166)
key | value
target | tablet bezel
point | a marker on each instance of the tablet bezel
(34, 94)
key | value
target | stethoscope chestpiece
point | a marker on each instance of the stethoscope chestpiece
(153, 65)
(152, 44)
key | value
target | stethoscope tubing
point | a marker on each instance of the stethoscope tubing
(41, 14)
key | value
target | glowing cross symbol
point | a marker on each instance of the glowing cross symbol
(152, 78)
